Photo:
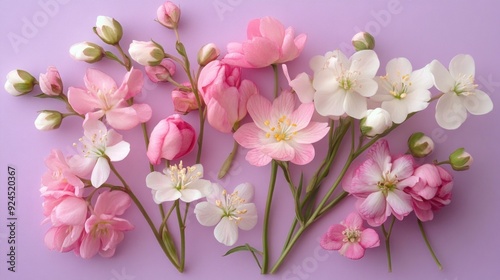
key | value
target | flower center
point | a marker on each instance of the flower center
(183, 176)
(351, 235)
(95, 145)
(465, 85)
(230, 204)
(399, 89)
(103, 97)
(388, 183)
(347, 80)
(99, 229)
(283, 130)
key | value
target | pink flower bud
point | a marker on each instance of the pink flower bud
(168, 15)
(108, 29)
(50, 82)
(184, 101)
(161, 73)
(146, 53)
(86, 51)
(207, 54)
(171, 139)
(19, 82)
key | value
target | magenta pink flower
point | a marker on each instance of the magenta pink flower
(225, 94)
(431, 192)
(103, 98)
(50, 82)
(171, 139)
(268, 43)
(350, 238)
(279, 131)
(378, 183)
(103, 229)
(184, 101)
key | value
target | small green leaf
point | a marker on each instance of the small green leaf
(246, 247)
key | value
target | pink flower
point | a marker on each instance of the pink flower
(350, 238)
(63, 238)
(98, 145)
(279, 131)
(378, 183)
(168, 15)
(161, 72)
(50, 82)
(171, 139)
(102, 98)
(225, 94)
(268, 43)
(60, 176)
(184, 101)
(431, 192)
(103, 229)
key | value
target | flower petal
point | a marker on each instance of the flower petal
(354, 221)
(208, 214)
(462, 65)
(442, 78)
(302, 115)
(365, 62)
(100, 173)
(284, 105)
(118, 151)
(330, 103)
(355, 105)
(279, 150)
(163, 195)
(373, 206)
(400, 202)
(403, 166)
(450, 112)
(249, 136)
(190, 195)
(257, 157)
(259, 109)
(248, 219)
(244, 191)
(314, 132)
(478, 103)
(304, 153)
(112, 203)
(369, 238)
(226, 232)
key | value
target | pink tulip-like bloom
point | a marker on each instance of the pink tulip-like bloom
(379, 185)
(279, 131)
(431, 192)
(268, 43)
(171, 139)
(103, 229)
(168, 15)
(103, 98)
(350, 238)
(225, 94)
(50, 82)
(184, 101)
(161, 72)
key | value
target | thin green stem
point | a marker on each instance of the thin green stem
(428, 244)
(272, 183)
(226, 166)
(286, 251)
(126, 60)
(387, 235)
(276, 85)
(182, 228)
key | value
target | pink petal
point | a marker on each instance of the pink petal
(112, 203)
(354, 221)
(217, 115)
(272, 29)
(122, 118)
(314, 132)
(329, 243)
(403, 166)
(81, 101)
(304, 153)
(257, 157)
(235, 56)
(89, 246)
(400, 202)
(353, 251)
(260, 52)
(246, 90)
(374, 205)
(143, 112)
(284, 105)
(302, 115)
(280, 151)
(249, 136)
(71, 211)
(369, 238)
(97, 80)
(253, 28)
(289, 50)
(133, 82)
(259, 109)
(379, 152)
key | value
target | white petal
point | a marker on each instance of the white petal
(462, 65)
(325, 80)
(442, 78)
(330, 104)
(119, 151)
(302, 85)
(249, 219)
(478, 103)
(450, 112)
(365, 62)
(100, 173)
(400, 202)
(366, 87)
(201, 185)
(397, 109)
(421, 79)
(208, 214)
(226, 232)
(398, 67)
(417, 100)
(355, 105)
(163, 195)
(190, 195)
(215, 193)
(244, 191)
(157, 181)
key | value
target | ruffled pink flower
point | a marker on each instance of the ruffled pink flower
(268, 43)
(225, 94)
(280, 131)
(50, 82)
(431, 192)
(60, 176)
(103, 98)
(103, 229)
(171, 139)
(350, 238)
(379, 184)
(184, 101)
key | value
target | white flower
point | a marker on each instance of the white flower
(146, 53)
(108, 29)
(48, 120)
(403, 91)
(86, 51)
(19, 82)
(342, 85)
(376, 122)
(228, 211)
(178, 182)
(460, 92)
(98, 145)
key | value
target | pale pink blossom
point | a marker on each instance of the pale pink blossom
(104, 229)
(103, 98)
(280, 131)
(50, 82)
(229, 212)
(97, 146)
(170, 139)
(63, 238)
(225, 94)
(60, 176)
(161, 72)
(379, 185)
(168, 15)
(431, 192)
(184, 100)
(350, 238)
(268, 43)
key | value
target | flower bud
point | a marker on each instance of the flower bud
(19, 82)
(460, 160)
(184, 101)
(146, 53)
(108, 29)
(48, 120)
(161, 72)
(376, 122)
(50, 82)
(86, 51)
(363, 41)
(208, 53)
(171, 139)
(420, 145)
(168, 15)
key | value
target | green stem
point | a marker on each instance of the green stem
(387, 235)
(428, 244)
(228, 162)
(276, 85)
(272, 183)
(182, 228)
(126, 60)
(288, 248)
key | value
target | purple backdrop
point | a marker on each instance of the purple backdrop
(37, 34)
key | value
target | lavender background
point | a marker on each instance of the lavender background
(463, 234)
